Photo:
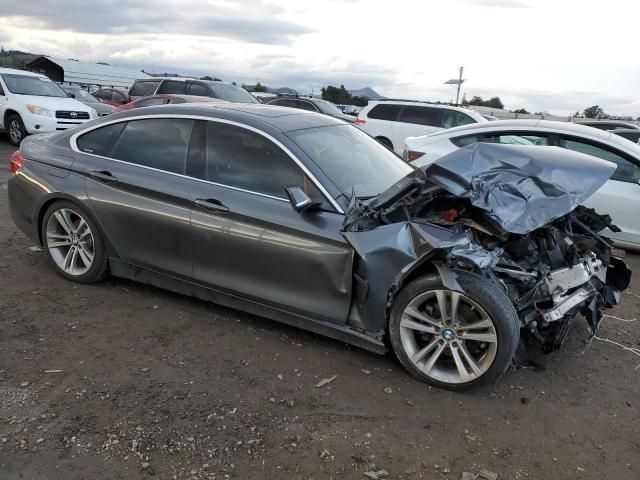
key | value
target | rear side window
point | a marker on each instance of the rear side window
(385, 112)
(144, 88)
(118, 97)
(101, 140)
(467, 140)
(171, 86)
(422, 116)
(304, 105)
(160, 143)
(199, 90)
(240, 158)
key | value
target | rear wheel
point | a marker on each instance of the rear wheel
(15, 129)
(450, 339)
(73, 243)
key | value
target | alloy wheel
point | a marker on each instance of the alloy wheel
(15, 131)
(70, 241)
(448, 336)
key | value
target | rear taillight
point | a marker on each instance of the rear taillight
(411, 156)
(16, 161)
(360, 121)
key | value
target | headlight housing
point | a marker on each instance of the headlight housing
(36, 110)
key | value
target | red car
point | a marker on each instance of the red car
(165, 99)
(112, 96)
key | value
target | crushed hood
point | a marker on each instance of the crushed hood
(520, 187)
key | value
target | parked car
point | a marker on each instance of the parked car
(391, 121)
(32, 103)
(213, 201)
(190, 86)
(112, 96)
(312, 105)
(617, 197)
(632, 134)
(166, 100)
(85, 97)
(608, 124)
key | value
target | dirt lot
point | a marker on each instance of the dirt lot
(119, 380)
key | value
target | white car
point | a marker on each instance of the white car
(32, 103)
(619, 197)
(391, 121)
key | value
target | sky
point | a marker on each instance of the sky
(559, 56)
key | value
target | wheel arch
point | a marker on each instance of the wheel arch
(385, 141)
(8, 112)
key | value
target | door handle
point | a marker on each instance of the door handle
(103, 176)
(212, 204)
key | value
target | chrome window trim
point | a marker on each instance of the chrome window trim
(74, 146)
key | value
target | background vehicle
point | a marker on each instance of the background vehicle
(112, 96)
(85, 97)
(190, 86)
(608, 124)
(312, 105)
(166, 100)
(32, 103)
(619, 196)
(632, 134)
(391, 121)
(167, 186)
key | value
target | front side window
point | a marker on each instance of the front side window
(198, 90)
(626, 171)
(31, 85)
(144, 88)
(171, 86)
(160, 143)
(422, 116)
(118, 97)
(244, 159)
(385, 112)
(356, 163)
(230, 93)
(453, 118)
(328, 108)
(101, 140)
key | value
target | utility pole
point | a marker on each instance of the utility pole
(457, 81)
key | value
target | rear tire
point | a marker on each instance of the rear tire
(73, 244)
(472, 344)
(15, 129)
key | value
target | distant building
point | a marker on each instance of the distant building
(84, 73)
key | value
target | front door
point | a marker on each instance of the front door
(248, 240)
(135, 185)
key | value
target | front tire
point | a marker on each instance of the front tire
(16, 130)
(450, 339)
(73, 244)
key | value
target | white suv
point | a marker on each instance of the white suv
(391, 121)
(32, 103)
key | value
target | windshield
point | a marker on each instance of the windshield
(29, 85)
(354, 161)
(328, 108)
(80, 94)
(231, 93)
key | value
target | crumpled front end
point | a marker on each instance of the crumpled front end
(512, 215)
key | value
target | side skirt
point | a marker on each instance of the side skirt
(342, 333)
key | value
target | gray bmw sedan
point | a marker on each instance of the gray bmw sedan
(306, 220)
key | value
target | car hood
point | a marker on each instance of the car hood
(521, 188)
(55, 103)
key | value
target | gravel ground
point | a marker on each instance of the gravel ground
(118, 380)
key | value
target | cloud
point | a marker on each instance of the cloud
(254, 22)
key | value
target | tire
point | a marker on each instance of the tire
(64, 228)
(386, 142)
(15, 129)
(416, 337)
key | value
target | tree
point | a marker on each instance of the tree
(259, 88)
(209, 77)
(521, 110)
(340, 96)
(494, 102)
(594, 112)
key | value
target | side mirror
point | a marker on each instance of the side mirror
(299, 200)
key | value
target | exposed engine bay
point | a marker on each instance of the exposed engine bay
(513, 215)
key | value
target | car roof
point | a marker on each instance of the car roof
(420, 103)
(20, 72)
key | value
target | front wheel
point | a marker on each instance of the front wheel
(450, 339)
(15, 130)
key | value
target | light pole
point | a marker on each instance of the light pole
(457, 81)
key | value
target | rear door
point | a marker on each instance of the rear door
(415, 120)
(249, 241)
(136, 185)
(380, 120)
